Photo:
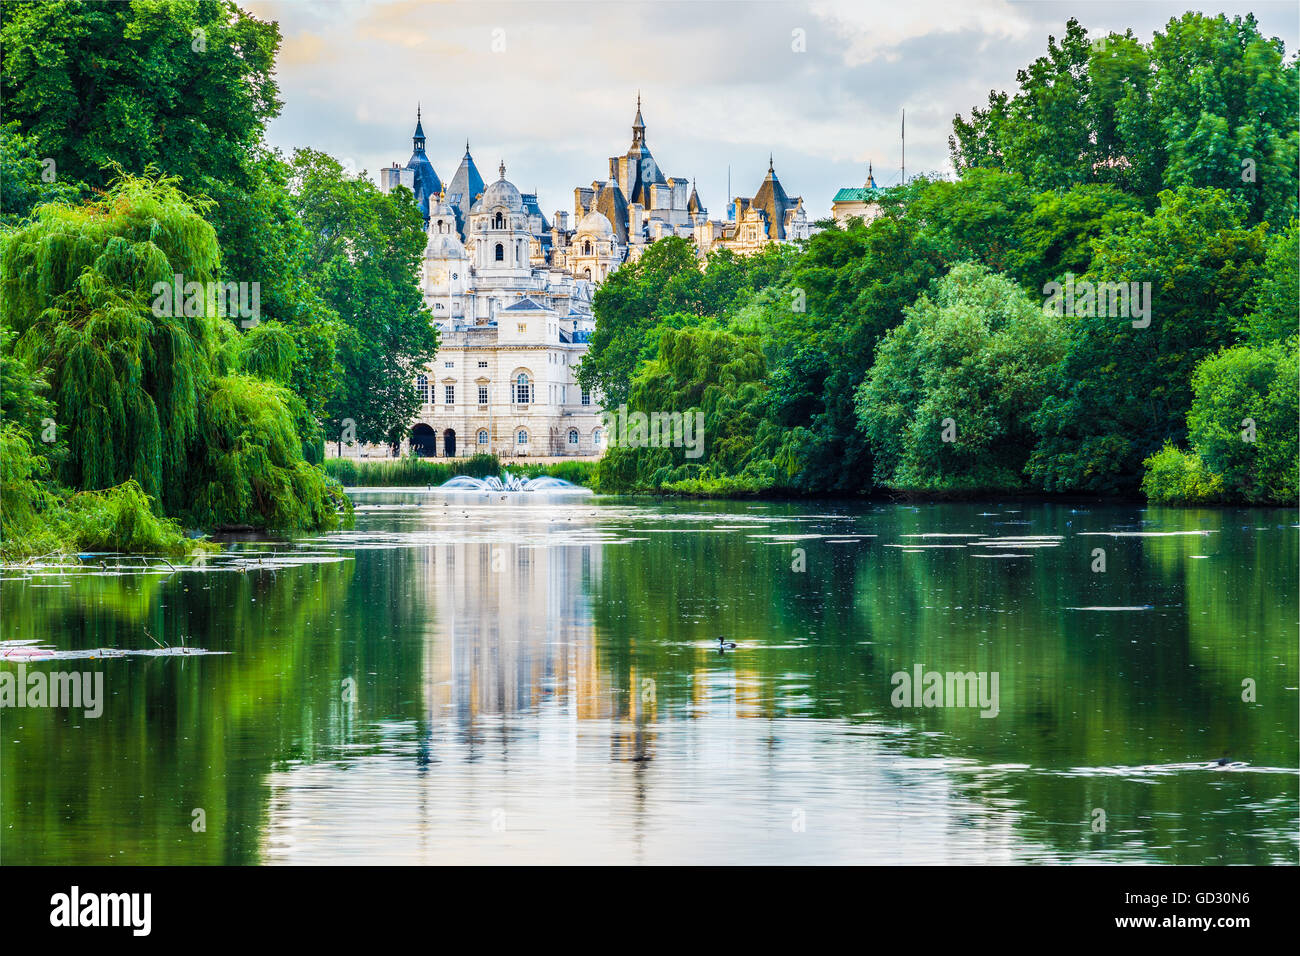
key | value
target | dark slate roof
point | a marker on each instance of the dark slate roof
(648, 173)
(772, 201)
(564, 337)
(464, 189)
(693, 205)
(581, 336)
(525, 305)
(427, 183)
(533, 208)
(610, 203)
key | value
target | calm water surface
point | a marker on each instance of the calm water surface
(478, 679)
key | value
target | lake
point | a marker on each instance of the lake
(537, 679)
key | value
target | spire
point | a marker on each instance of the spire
(467, 146)
(502, 169)
(871, 180)
(638, 124)
(770, 170)
(418, 139)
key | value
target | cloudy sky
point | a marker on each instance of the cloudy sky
(551, 87)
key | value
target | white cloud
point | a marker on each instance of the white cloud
(721, 83)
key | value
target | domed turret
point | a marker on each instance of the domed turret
(500, 193)
(595, 224)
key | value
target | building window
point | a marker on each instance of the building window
(482, 394)
(595, 438)
(501, 253)
(422, 388)
(523, 389)
(482, 436)
(523, 328)
(573, 436)
(449, 394)
(448, 364)
(586, 397)
(521, 437)
(586, 248)
(482, 364)
(499, 223)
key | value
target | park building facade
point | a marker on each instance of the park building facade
(511, 291)
(512, 328)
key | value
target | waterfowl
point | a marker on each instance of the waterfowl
(725, 645)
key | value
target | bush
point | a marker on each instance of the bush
(1242, 422)
(1174, 476)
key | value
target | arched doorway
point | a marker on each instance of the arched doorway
(449, 443)
(424, 441)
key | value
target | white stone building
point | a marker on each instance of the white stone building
(511, 292)
(512, 330)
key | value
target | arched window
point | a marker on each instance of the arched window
(501, 253)
(586, 274)
(573, 436)
(422, 388)
(521, 437)
(482, 436)
(586, 248)
(499, 223)
(595, 438)
(523, 389)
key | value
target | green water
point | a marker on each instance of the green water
(535, 679)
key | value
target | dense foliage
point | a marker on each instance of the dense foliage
(1154, 182)
(141, 398)
(133, 151)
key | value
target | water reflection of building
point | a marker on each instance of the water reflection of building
(513, 627)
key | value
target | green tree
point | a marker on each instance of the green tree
(721, 376)
(1224, 98)
(1121, 391)
(1209, 103)
(947, 403)
(185, 86)
(365, 250)
(137, 374)
(1242, 422)
(820, 331)
(27, 180)
(1277, 297)
(629, 307)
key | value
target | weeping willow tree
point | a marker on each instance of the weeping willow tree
(117, 304)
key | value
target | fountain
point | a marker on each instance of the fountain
(510, 483)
